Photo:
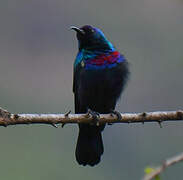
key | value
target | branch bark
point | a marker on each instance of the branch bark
(161, 168)
(7, 118)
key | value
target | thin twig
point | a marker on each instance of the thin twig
(161, 168)
(7, 118)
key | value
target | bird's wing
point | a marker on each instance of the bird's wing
(75, 89)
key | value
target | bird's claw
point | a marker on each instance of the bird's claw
(95, 117)
(118, 114)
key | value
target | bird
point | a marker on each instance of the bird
(99, 77)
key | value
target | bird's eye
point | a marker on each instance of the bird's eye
(92, 30)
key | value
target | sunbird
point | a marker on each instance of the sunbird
(100, 75)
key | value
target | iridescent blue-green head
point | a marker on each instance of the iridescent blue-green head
(91, 38)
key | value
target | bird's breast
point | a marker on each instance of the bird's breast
(103, 61)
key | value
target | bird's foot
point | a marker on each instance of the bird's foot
(95, 117)
(118, 114)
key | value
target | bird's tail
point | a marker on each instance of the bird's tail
(89, 145)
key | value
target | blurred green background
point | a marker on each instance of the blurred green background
(37, 51)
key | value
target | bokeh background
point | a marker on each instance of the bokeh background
(37, 51)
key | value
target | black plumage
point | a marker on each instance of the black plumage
(100, 74)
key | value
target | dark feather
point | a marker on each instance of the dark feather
(99, 90)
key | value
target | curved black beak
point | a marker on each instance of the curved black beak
(78, 30)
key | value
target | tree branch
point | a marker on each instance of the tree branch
(161, 168)
(7, 118)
